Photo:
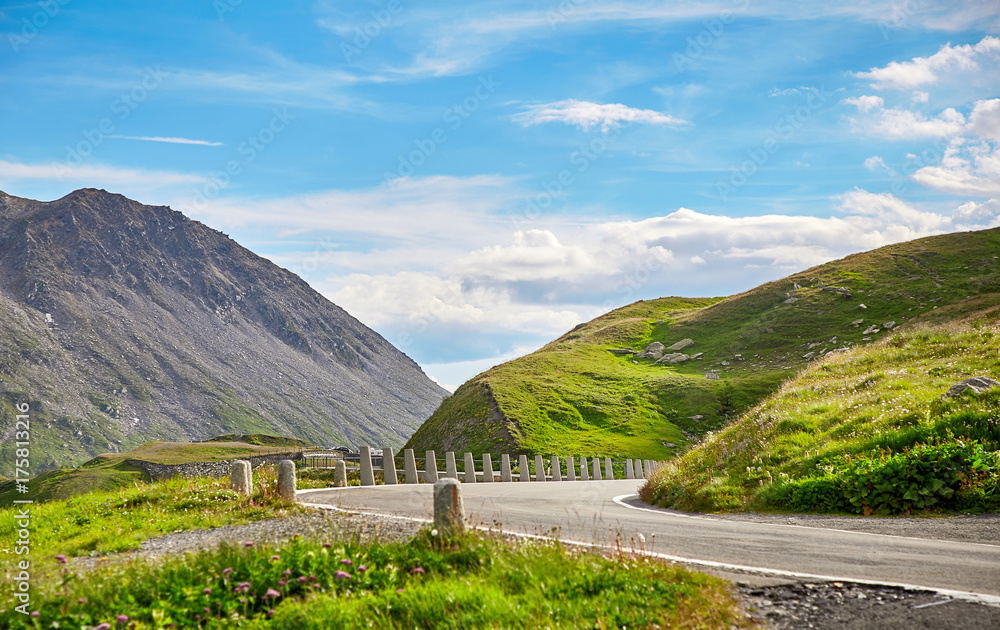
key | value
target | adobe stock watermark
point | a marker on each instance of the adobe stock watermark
(899, 17)
(123, 106)
(21, 508)
(248, 149)
(706, 38)
(580, 160)
(454, 117)
(30, 27)
(365, 34)
(785, 129)
(222, 7)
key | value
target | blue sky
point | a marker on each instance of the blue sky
(474, 180)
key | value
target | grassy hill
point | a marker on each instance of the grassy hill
(109, 471)
(575, 395)
(866, 432)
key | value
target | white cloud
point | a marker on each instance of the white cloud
(875, 163)
(168, 140)
(587, 115)
(965, 169)
(920, 71)
(906, 124)
(920, 97)
(978, 215)
(93, 175)
(865, 103)
(984, 121)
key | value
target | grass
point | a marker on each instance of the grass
(467, 581)
(864, 432)
(573, 395)
(102, 522)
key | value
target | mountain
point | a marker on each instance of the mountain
(123, 323)
(586, 392)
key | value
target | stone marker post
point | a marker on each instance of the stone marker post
(430, 467)
(609, 472)
(487, 468)
(629, 471)
(571, 468)
(410, 466)
(647, 466)
(286, 479)
(450, 467)
(584, 473)
(449, 511)
(241, 477)
(597, 469)
(505, 475)
(339, 474)
(556, 469)
(638, 469)
(389, 466)
(367, 472)
(522, 463)
(470, 468)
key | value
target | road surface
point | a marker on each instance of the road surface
(606, 513)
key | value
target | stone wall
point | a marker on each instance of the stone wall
(207, 469)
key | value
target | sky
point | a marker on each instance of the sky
(474, 179)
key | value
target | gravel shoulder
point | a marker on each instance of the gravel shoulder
(776, 604)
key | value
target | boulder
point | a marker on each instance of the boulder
(653, 351)
(680, 345)
(622, 351)
(871, 330)
(978, 385)
(791, 300)
(673, 358)
(889, 325)
(712, 376)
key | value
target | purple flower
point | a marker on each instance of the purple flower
(417, 571)
(275, 557)
(281, 583)
(61, 559)
(347, 561)
(327, 545)
(286, 572)
(227, 571)
(122, 619)
(362, 569)
(82, 600)
(341, 575)
(248, 543)
(399, 590)
(302, 580)
(35, 614)
(271, 593)
(270, 613)
(103, 626)
(207, 591)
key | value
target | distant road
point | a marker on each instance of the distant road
(598, 512)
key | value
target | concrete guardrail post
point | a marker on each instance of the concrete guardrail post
(286, 479)
(389, 467)
(451, 468)
(638, 469)
(367, 472)
(449, 510)
(629, 471)
(410, 466)
(584, 473)
(609, 472)
(241, 477)
(522, 463)
(487, 468)
(470, 468)
(430, 467)
(648, 467)
(539, 468)
(339, 474)
(556, 469)
(597, 469)
(570, 469)
(505, 475)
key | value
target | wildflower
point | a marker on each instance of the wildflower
(103, 626)
(227, 571)
(302, 580)
(434, 532)
(276, 557)
(122, 619)
(417, 571)
(207, 591)
(362, 569)
(327, 545)
(286, 572)
(82, 600)
(347, 561)
(281, 583)
(341, 575)
(270, 613)
(35, 614)
(271, 593)
(399, 590)
(248, 543)
(61, 559)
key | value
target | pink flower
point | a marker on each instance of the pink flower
(275, 557)
(347, 561)
(341, 575)
(35, 614)
(207, 591)
(227, 571)
(327, 545)
(417, 571)
(282, 583)
(248, 543)
(302, 580)
(103, 626)
(362, 569)
(122, 619)
(286, 572)
(61, 559)
(271, 593)
(82, 600)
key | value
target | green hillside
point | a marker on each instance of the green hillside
(866, 432)
(577, 396)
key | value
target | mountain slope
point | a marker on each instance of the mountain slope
(122, 323)
(575, 395)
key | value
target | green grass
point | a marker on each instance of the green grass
(260, 439)
(864, 431)
(574, 395)
(468, 581)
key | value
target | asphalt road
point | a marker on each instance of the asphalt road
(607, 513)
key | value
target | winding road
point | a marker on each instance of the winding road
(609, 513)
